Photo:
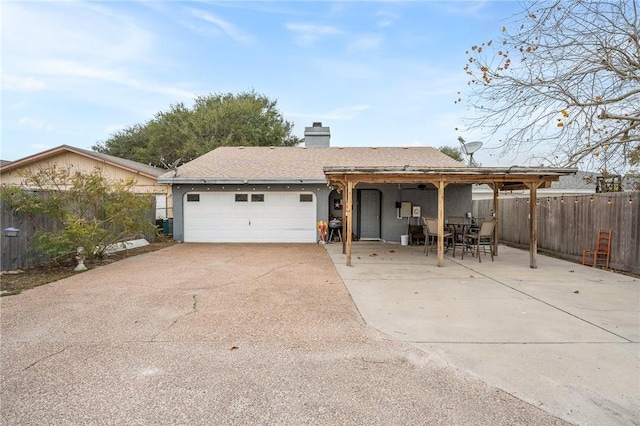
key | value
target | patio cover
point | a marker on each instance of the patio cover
(345, 180)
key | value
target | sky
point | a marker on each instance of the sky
(378, 73)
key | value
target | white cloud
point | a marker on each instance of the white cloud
(225, 27)
(32, 122)
(115, 75)
(348, 112)
(14, 83)
(475, 9)
(68, 41)
(371, 42)
(71, 30)
(308, 34)
(386, 18)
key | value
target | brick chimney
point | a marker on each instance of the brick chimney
(317, 136)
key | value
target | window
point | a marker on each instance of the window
(257, 198)
(306, 198)
(242, 198)
(193, 198)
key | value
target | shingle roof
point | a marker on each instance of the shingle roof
(300, 163)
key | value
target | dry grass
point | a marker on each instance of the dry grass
(11, 284)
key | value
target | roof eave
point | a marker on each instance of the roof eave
(412, 170)
(236, 181)
(84, 153)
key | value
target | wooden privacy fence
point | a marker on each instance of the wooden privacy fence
(18, 252)
(569, 224)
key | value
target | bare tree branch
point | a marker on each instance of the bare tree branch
(565, 79)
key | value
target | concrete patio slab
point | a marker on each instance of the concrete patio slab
(563, 337)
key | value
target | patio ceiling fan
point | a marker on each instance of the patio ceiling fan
(419, 187)
(469, 148)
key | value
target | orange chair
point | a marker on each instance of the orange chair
(599, 257)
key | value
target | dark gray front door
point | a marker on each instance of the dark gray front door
(370, 214)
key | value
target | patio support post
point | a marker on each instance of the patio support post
(533, 224)
(496, 203)
(349, 212)
(441, 186)
(344, 220)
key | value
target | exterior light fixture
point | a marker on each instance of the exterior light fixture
(630, 200)
(591, 199)
(576, 200)
(562, 199)
(609, 201)
(11, 232)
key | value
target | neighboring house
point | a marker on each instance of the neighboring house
(278, 194)
(85, 161)
(582, 183)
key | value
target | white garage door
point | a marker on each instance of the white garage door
(273, 217)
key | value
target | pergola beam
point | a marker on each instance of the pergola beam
(532, 178)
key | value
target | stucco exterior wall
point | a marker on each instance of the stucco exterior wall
(457, 203)
(321, 192)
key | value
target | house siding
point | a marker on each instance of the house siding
(321, 192)
(83, 164)
(457, 203)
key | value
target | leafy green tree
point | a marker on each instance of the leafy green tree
(182, 133)
(565, 75)
(454, 153)
(88, 211)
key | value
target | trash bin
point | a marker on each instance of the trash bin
(167, 226)
(404, 240)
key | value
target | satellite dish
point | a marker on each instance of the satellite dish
(469, 148)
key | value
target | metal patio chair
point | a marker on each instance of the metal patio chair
(484, 235)
(431, 233)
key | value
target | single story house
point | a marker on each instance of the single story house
(279, 194)
(86, 161)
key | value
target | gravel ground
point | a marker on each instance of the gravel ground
(224, 334)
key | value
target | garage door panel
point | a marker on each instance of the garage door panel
(279, 217)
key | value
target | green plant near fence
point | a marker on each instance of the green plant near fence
(569, 224)
(62, 211)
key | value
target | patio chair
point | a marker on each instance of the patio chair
(457, 226)
(600, 255)
(484, 235)
(431, 233)
(416, 233)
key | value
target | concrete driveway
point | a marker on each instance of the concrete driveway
(224, 334)
(563, 337)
